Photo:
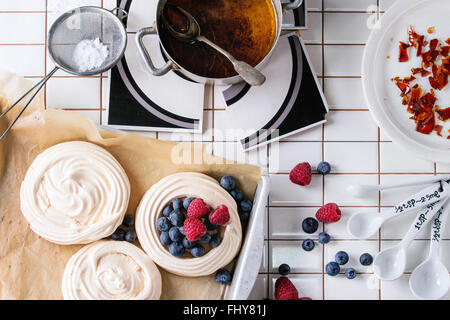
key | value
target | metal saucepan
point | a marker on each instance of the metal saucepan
(171, 64)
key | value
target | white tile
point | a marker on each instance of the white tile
(308, 285)
(259, 291)
(313, 134)
(23, 60)
(22, 28)
(350, 126)
(352, 157)
(22, 5)
(354, 249)
(292, 253)
(73, 93)
(61, 6)
(233, 151)
(384, 137)
(443, 167)
(346, 28)
(341, 288)
(314, 5)
(338, 230)
(349, 5)
(385, 4)
(315, 53)
(94, 115)
(284, 192)
(345, 93)
(286, 223)
(343, 60)
(336, 189)
(397, 289)
(314, 32)
(264, 267)
(288, 154)
(393, 196)
(395, 160)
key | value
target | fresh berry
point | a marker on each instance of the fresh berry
(305, 298)
(188, 244)
(130, 236)
(324, 168)
(175, 234)
(332, 269)
(366, 259)
(177, 218)
(284, 269)
(187, 202)
(176, 249)
(177, 204)
(210, 226)
(324, 238)
(244, 216)
(246, 205)
(165, 239)
(228, 183)
(163, 224)
(220, 216)
(223, 276)
(329, 213)
(198, 250)
(237, 194)
(205, 239)
(167, 210)
(301, 174)
(308, 245)
(181, 230)
(215, 241)
(197, 209)
(350, 273)
(341, 257)
(194, 229)
(310, 225)
(118, 235)
(128, 221)
(285, 289)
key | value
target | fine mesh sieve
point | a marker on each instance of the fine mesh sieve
(72, 27)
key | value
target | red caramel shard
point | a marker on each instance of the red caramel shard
(444, 114)
(403, 56)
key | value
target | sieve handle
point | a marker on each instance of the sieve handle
(120, 10)
(146, 56)
(291, 5)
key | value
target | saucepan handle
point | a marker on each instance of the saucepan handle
(146, 56)
(291, 5)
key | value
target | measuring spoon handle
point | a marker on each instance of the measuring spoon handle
(437, 229)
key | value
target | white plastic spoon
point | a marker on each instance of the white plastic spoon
(363, 191)
(390, 263)
(364, 224)
(431, 280)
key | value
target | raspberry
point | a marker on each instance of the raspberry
(285, 289)
(301, 174)
(220, 216)
(197, 209)
(329, 213)
(194, 229)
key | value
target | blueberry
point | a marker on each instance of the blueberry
(324, 237)
(223, 276)
(366, 259)
(244, 216)
(198, 250)
(167, 210)
(130, 236)
(181, 230)
(284, 269)
(177, 204)
(237, 194)
(205, 239)
(165, 239)
(175, 234)
(163, 224)
(324, 168)
(177, 218)
(187, 202)
(176, 249)
(246, 205)
(332, 268)
(210, 226)
(228, 183)
(310, 225)
(308, 245)
(341, 257)
(118, 235)
(188, 244)
(350, 273)
(128, 220)
(215, 241)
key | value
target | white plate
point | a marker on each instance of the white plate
(383, 96)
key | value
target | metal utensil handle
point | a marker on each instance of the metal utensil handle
(39, 85)
(120, 10)
(146, 56)
(291, 5)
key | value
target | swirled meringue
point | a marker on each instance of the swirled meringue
(74, 193)
(111, 270)
(187, 184)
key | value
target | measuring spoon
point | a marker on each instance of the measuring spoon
(431, 280)
(390, 263)
(364, 224)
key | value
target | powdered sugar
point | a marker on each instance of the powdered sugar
(90, 54)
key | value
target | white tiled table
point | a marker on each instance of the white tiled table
(357, 149)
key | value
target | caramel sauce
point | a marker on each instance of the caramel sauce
(246, 29)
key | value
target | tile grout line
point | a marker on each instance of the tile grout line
(323, 146)
(379, 175)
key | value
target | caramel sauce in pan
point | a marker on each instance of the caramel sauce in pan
(245, 28)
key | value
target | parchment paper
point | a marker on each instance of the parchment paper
(31, 267)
